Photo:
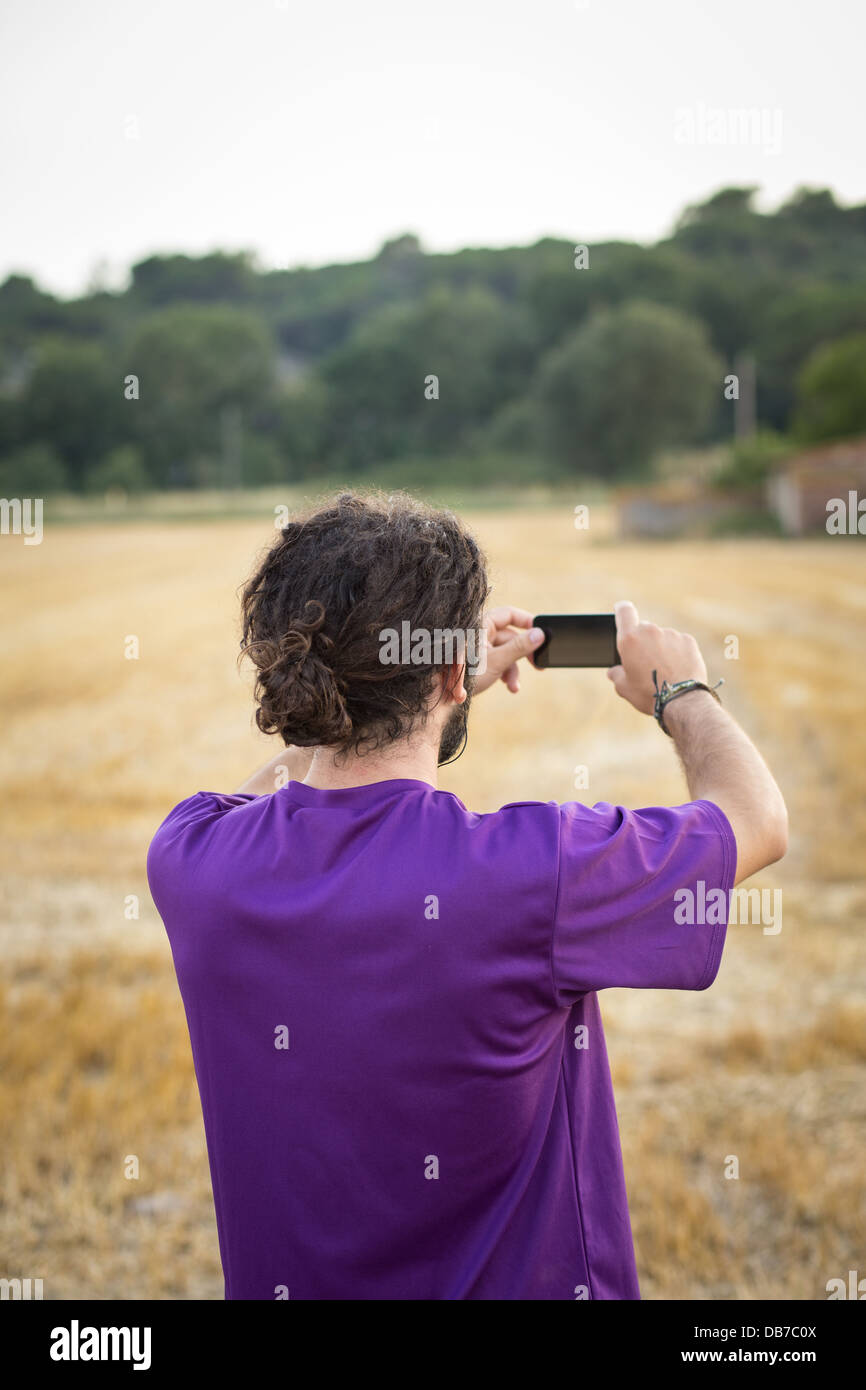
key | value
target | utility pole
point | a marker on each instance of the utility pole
(744, 405)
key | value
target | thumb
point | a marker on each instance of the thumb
(522, 643)
(626, 617)
(502, 659)
(617, 675)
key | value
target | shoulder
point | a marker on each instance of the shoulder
(206, 804)
(519, 830)
(199, 811)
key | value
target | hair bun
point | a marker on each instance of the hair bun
(303, 698)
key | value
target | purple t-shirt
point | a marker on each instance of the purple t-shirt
(396, 1034)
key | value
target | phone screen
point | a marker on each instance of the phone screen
(576, 639)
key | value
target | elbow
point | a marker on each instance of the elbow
(762, 841)
(777, 837)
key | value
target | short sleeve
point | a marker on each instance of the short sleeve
(174, 858)
(642, 897)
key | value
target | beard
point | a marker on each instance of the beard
(455, 732)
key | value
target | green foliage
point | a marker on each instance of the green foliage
(195, 366)
(807, 315)
(121, 470)
(26, 311)
(32, 471)
(262, 463)
(517, 428)
(301, 418)
(262, 376)
(470, 349)
(632, 381)
(72, 401)
(813, 208)
(746, 521)
(832, 391)
(484, 468)
(219, 278)
(750, 461)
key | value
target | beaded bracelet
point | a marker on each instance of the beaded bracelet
(670, 692)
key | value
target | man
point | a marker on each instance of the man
(392, 1001)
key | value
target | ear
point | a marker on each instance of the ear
(452, 682)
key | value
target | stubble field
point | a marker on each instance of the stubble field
(767, 1067)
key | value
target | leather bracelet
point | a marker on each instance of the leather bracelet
(670, 692)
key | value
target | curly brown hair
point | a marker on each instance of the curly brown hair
(313, 612)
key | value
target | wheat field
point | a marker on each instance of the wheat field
(767, 1067)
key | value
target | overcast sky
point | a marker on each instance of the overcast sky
(311, 132)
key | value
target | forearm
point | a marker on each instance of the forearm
(289, 765)
(722, 765)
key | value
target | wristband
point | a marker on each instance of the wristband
(670, 692)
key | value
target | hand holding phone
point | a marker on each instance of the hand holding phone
(673, 655)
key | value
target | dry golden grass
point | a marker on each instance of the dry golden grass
(768, 1066)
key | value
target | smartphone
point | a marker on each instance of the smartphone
(576, 639)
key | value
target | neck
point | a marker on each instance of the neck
(416, 762)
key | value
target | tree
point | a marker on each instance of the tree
(749, 462)
(26, 310)
(420, 378)
(813, 207)
(220, 277)
(358, 341)
(831, 391)
(726, 203)
(197, 367)
(399, 248)
(122, 469)
(301, 426)
(630, 382)
(794, 325)
(33, 471)
(73, 401)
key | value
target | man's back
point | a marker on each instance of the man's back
(396, 1035)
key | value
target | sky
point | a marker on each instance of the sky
(311, 132)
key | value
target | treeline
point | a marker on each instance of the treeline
(530, 363)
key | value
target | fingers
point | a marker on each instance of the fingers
(626, 617)
(522, 643)
(503, 616)
(616, 674)
(511, 677)
(504, 657)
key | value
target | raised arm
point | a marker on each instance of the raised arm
(296, 761)
(721, 764)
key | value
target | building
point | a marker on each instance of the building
(800, 487)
